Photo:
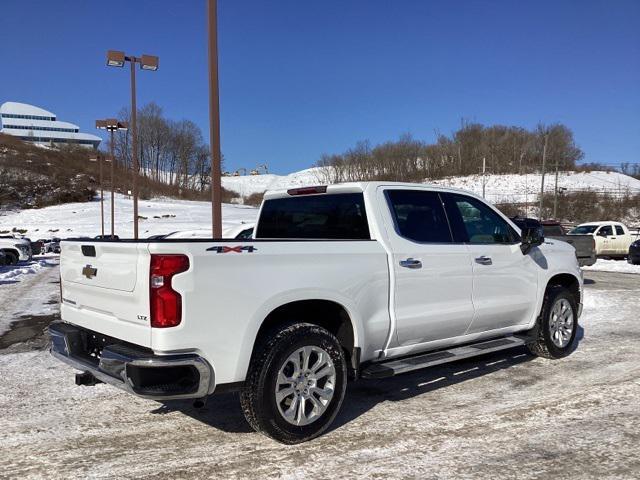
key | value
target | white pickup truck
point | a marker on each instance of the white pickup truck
(15, 249)
(612, 238)
(363, 280)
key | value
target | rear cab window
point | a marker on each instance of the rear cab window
(419, 216)
(337, 216)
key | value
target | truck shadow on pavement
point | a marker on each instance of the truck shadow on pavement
(223, 411)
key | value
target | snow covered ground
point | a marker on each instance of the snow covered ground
(620, 266)
(499, 188)
(159, 216)
(28, 289)
(504, 415)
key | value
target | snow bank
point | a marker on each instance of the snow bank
(618, 266)
(15, 272)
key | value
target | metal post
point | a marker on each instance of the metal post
(555, 193)
(214, 120)
(101, 195)
(134, 146)
(544, 161)
(113, 161)
(484, 170)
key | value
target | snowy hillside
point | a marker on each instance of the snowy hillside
(160, 216)
(525, 188)
(249, 184)
(499, 188)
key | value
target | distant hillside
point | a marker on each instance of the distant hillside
(34, 177)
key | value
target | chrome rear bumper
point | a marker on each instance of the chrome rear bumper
(130, 368)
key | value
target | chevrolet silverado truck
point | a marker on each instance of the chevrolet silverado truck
(337, 283)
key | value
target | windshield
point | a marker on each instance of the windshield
(583, 230)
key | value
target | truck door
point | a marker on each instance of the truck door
(504, 280)
(605, 234)
(433, 275)
(622, 240)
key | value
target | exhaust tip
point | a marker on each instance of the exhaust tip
(199, 402)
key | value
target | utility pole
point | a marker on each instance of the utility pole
(484, 170)
(544, 162)
(214, 120)
(555, 193)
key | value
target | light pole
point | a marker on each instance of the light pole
(112, 125)
(98, 159)
(147, 62)
(214, 120)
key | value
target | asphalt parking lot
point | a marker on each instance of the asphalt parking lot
(504, 415)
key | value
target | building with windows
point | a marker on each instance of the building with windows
(36, 125)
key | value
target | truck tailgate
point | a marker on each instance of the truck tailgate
(105, 288)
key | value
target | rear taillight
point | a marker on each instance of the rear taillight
(165, 302)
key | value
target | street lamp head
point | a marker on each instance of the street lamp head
(111, 124)
(115, 58)
(149, 62)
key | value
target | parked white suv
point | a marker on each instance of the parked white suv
(15, 249)
(612, 238)
(346, 281)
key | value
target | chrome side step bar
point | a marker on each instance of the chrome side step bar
(390, 368)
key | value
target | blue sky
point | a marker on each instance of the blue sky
(301, 78)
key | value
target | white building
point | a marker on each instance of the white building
(36, 125)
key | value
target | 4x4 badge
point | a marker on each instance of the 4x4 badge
(89, 272)
(237, 249)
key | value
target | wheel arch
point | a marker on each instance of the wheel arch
(13, 251)
(326, 313)
(568, 281)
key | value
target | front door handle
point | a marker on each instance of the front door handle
(411, 263)
(484, 260)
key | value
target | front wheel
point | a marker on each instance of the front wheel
(295, 384)
(557, 325)
(12, 258)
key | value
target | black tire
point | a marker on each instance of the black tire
(544, 346)
(257, 396)
(12, 258)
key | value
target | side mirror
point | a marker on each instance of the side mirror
(531, 237)
(601, 233)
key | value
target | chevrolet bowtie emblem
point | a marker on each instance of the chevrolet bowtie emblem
(89, 272)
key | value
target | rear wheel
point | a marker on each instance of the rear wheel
(295, 384)
(555, 331)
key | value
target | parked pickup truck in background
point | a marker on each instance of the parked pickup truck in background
(612, 239)
(338, 282)
(584, 245)
(15, 249)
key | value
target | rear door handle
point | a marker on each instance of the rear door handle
(411, 263)
(484, 260)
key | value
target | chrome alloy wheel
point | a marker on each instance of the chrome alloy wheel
(305, 385)
(561, 323)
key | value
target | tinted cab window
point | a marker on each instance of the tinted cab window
(419, 216)
(326, 216)
(606, 231)
(475, 222)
